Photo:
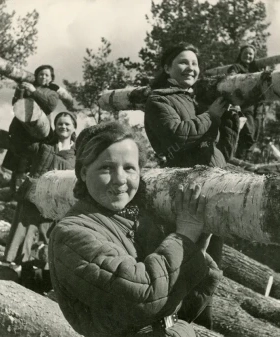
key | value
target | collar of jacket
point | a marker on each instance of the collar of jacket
(173, 87)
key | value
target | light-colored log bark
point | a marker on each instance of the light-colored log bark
(239, 90)
(256, 305)
(8, 70)
(24, 313)
(249, 272)
(262, 63)
(33, 119)
(245, 205)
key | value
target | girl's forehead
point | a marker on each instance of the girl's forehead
(64, 119)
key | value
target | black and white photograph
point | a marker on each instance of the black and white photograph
(139, 168)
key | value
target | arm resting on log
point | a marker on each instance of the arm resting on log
(242, 89)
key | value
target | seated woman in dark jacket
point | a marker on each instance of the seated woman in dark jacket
(182, 135)
(102, 285)
(29, 229)
(44, 93)
(245, 63)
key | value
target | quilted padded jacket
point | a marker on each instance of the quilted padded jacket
(184, 137)
(104, 289)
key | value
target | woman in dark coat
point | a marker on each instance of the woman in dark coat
(44, 93)
(104, 285)
(185, 137)
(28, 239)
(245, 63)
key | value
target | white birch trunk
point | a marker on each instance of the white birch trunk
(243, 205)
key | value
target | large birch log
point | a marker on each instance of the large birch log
(249, 272)
(243, 205)
(261, 63)
(8, 70)
(239, 89)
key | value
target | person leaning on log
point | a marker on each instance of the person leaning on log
(184, 136)
(44, 93)
(28, 238)
(245, 63)
(103, 283)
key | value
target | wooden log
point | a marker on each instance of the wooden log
(24, 313)
(33, 119)
(244, 299)
(261, 63)
(8, 70)
(249, 272)
(231, 320)
(239, 204)
(242, 89)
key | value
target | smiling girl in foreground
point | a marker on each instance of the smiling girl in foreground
(103, 287)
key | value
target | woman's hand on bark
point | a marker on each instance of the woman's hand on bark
(190, 209)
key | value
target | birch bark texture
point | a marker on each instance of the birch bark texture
(238, 204)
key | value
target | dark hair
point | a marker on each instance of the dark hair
(42, 67)
(74, 120)
(92, 141)
(252, 66)
(167, 58)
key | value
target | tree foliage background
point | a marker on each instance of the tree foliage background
(18, 35)
(216, 30)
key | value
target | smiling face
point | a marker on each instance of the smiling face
(44, 77)
(64, 127)
(247, 55)
(184, 69)
(113, 178)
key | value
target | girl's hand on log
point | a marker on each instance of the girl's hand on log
(28, 86)
(218, 107)
(190, 208)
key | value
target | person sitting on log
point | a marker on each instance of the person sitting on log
(103, 283)
(28, 239)
(249, 134)
(44, 93)
(185, 137)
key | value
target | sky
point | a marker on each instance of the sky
(67, 27)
